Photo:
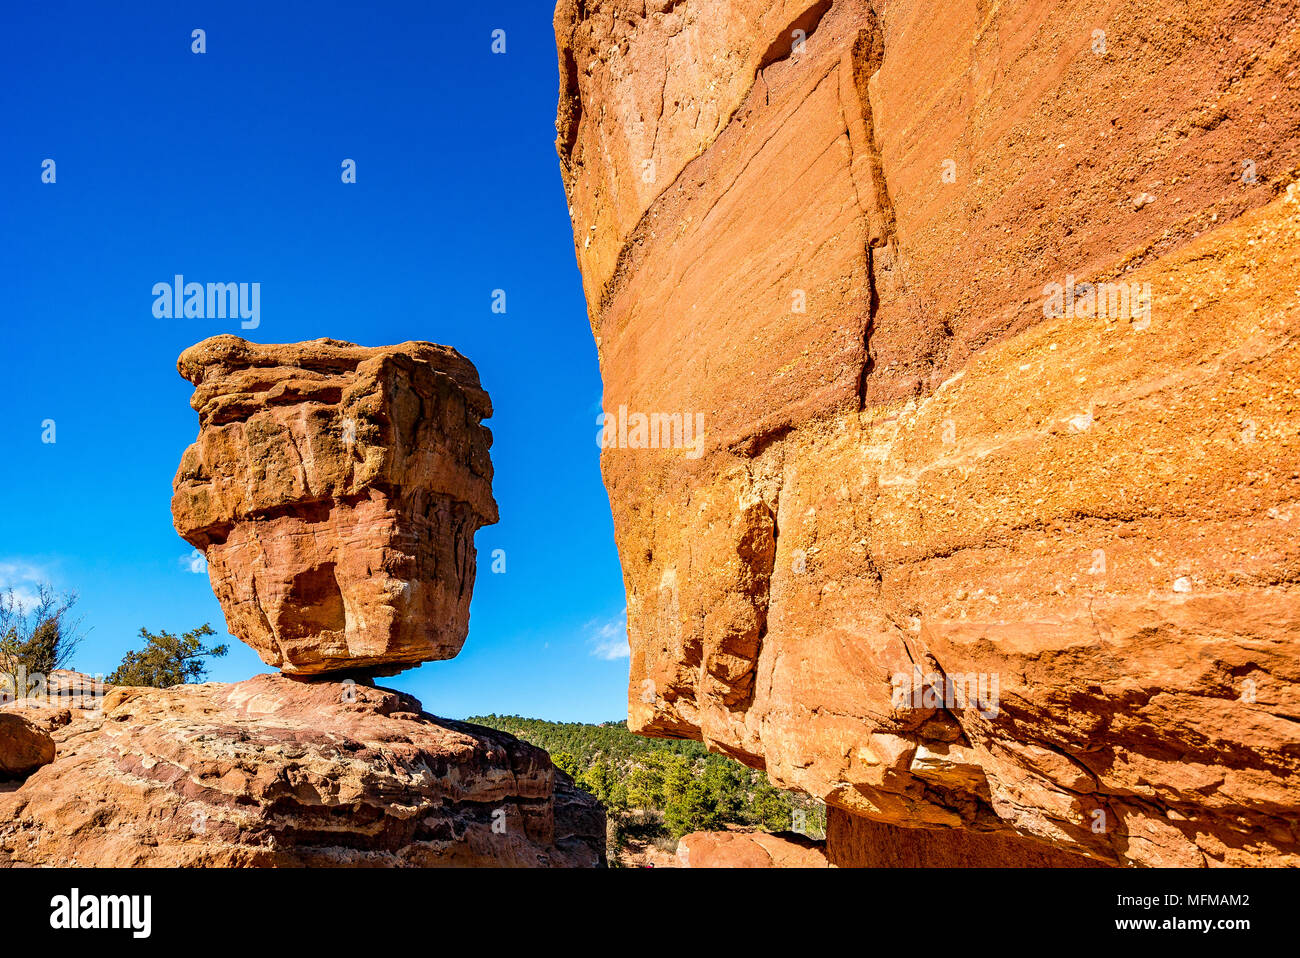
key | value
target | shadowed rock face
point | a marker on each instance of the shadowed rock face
(953, 556)
(855, 841)
(335, 491)
(278, 772)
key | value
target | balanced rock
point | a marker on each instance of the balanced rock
(274, 772)
(995, 526)
(334, 491)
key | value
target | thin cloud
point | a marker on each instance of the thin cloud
(24, 580)
(194, 562)
(608, 640)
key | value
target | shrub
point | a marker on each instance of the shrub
(167, 659)
(38, 636)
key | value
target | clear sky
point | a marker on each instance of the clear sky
(226, 166)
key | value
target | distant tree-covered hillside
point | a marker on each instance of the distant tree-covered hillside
(661, 789)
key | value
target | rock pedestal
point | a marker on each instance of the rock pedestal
(278, 772)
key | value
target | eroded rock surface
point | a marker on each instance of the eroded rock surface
(924, 468)
(335, 491)
(274, 772)
(854, 841)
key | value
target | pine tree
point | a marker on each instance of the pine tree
(167, 660)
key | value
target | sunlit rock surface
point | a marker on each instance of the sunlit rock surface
(991, 319)
(335, 491)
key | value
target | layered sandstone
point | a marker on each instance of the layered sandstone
(335, 491)
(278, 772)
(959, 554)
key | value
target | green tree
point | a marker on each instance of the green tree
(167, 659)
(656, 790)
(37, 635)
(708, 800)
(603, 780)
(772, 810)
(565, 762)
(645, 783)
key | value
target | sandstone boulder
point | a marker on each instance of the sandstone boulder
(75, 689)
(274, 772)
(334, 491)
(24, 745)
(45, 715)
(990, 320)
(749, 850)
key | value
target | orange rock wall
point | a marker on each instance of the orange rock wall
(924, 470)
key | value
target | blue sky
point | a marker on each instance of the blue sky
(225, 166)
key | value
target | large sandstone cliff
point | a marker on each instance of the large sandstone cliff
(990, 312)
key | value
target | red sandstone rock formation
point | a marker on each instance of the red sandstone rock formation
(275, 772)
(749, 850)
(335, 491)
(959, 552)
(25, 745)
